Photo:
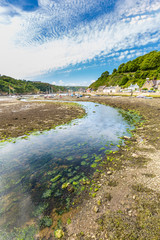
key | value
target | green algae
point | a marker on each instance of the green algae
(56, 178)
(47, 194)
(94, 165)
(70, 158)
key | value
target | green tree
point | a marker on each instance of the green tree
(105, 74)
(124, 81)
(120, 67)
(114, 70)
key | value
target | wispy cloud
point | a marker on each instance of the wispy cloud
(58, 35)
(62, 83)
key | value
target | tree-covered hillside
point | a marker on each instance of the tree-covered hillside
(135, 71)
(11, 85)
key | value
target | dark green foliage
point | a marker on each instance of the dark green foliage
(124, 81)
(135, 71)
(8, 84)
(27, 233)
(151, 61)
(45, 222)
(121, 67)
(114, 70)
(105, 74)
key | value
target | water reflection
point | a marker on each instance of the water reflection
(42, 171)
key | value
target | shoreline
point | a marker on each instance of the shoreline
(23, 118)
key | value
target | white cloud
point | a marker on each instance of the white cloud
(26, 52)
(53, 83)
(92, 81)
(62, 83)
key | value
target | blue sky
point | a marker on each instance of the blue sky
(71, 42)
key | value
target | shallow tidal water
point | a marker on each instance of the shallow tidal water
(35, 171)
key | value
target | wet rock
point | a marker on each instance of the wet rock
(126, 137)
(96, 209)
(70, 188)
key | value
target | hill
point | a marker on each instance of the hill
(11, 85)
(75, 88)
(135, 71)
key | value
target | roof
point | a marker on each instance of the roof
(101, 87)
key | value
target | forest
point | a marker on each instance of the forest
(132, 72)
(9, 85)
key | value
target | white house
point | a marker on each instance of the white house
(133, 87)
(100, 89)
(111, 89)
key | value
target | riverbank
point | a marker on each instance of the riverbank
(19, 118)
(126, 205)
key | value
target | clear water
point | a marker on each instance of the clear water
(33, 170)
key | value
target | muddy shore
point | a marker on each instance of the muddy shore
(19, 118)
(126, 204)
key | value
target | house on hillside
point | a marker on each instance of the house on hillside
(133, 87)
(100, 89)
(89, 90)
(114, 89)
(152, 84)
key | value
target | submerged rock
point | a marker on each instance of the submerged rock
(70, 188)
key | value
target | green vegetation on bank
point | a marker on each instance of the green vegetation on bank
(132, 72)
(11, 85)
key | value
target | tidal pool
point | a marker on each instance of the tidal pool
(43, 171)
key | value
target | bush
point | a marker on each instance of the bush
(45, 222)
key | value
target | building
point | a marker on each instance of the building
(114, 89)
(133, 87)
(152, 84)
(89, 90)
(100, 89)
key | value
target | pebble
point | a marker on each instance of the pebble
(96, 209)
(109, 173)
(134, 197)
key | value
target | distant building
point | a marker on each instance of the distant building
(100, 89)
(133, 87)
(89, 90)
(114, 89)
(83, 90)
(152, 84)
